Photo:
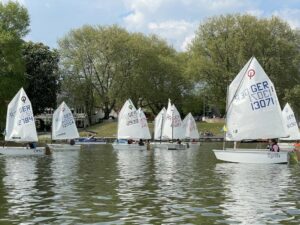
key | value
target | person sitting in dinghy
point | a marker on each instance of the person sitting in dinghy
(31, 145)
(273, 146)
(141, 143)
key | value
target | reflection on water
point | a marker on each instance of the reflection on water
(98, 185)
(256, 194)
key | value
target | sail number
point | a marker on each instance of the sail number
(25, 120)
(272, 155)
(67, 120)
(260, 95)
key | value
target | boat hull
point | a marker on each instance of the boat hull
(86, 141)
(90, 142)
(21, 151)
(64, 147)
(125, 146)
(251, 156)
(286, 146)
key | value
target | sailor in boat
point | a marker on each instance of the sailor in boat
(273, 146)
(31, 145)
(141, 142)
(72, 142)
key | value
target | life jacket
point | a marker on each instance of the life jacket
(272, 148)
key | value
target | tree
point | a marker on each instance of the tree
(114, 65)
(292, 96)
(95, 57)
(156, 74)
(224, 44)
(42, 76)
(14, 24)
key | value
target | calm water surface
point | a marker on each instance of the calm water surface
(98, 185)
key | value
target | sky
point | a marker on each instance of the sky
(174, 20)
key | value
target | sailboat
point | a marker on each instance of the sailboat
(171, 128)
(158, 128)
(292, 128)
(190, 129)
(132, 125)
(20, 126)
(145, 132)
(63, 128)
(253, 112)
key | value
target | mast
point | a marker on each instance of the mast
(161, 127)
(172, 123)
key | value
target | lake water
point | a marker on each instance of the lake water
(98, 185)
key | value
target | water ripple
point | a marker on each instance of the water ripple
(98, 185)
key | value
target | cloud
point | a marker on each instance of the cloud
(174, 20)
(187, 41)
(255, 12)
(289, 15)
(177, 20)
(177, 32)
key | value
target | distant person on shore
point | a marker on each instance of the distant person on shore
(273, 146)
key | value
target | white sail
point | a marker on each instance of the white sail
(145, 132)
(20, 124)
(128, 122)
(158, 124)
(63, 124)
(253, 108)
(190, 129)
(290, 123)
(172, 128)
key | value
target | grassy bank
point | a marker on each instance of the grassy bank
(109, 128)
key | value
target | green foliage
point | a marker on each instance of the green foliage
(292, 96)
(224, 44)
(41, 75)
(109, 128)
(115, 65)
(14, 24)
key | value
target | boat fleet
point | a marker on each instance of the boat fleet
(253, 112)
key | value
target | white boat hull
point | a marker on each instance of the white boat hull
(169, 146)
(286, 146)
(251, 156)
(21, 151)
(125, 146)
(64, 147)
(90, 142)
